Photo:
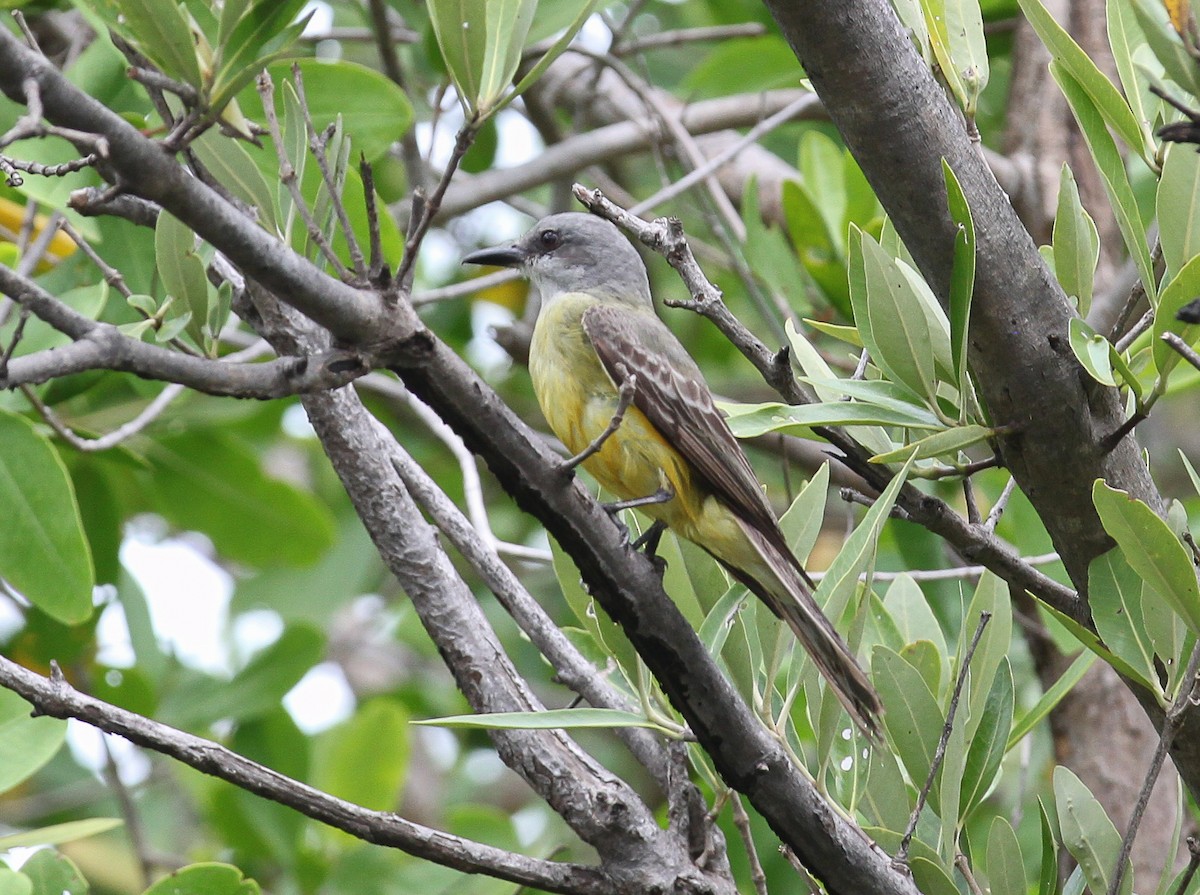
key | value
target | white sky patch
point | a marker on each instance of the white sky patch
(321, 699)
(595, 35)
(483, 351)
(483, 767)
(188, 597)
(254, 631)
(440, 744)
(295, 423)
(530, 824)
(112, 638)
(322, 20)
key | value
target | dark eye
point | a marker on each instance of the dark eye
(551, 239)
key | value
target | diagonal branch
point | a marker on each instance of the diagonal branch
(56, 698)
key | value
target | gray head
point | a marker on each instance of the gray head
(574, 252)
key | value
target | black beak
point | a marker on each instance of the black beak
(499, 256)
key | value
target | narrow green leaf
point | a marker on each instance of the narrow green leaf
(1005, 864)
(508, 22)
(1093, 643)
(946, 443)
(1179, 207)
(891, 324)
(160, 28)
(1048, 879)
(182, 270)
(962, 275)
(1115, 596)
(913, 718)
(1070, 58)
(560, 719)
(939, 43)
(1125, 38)
(233, 166)
(968, 49)
(1151, 548)
(1112, 170)
(751, 420)
(44, 553)
(585, 11)
(461, 30)
(988, 740)
(815, 243)
(1076, 244)
(1087, 832)
(55, 834)
(1100, 357)
(1182, 288)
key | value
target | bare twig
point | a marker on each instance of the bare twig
(741, 820)
(1185, 879)
(1185, 351)
(56, 698)
(149, 414)
(467, 287)
(997, 510)
(940, 752)
(288, 175)
(317, 144)
(625, 396)
(687, 35)
(1189, 697)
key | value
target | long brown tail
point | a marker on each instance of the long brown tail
(791, 600)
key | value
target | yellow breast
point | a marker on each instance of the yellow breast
(579, 399)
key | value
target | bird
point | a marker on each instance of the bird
(668, 449)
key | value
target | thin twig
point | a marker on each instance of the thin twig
(1185, 880)
(129, 813)
(317, 144)
(149, 414)
(940, 753)
(467, 287)
(687, 35)
(1189, 696)
(953, 574)
(741, 820)
(625, 394)
(287, 174)
(997, 510)
(1185, 351)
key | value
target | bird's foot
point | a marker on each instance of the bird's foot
(662, 495)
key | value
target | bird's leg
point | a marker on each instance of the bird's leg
(662, 495)
(625, 394)
(648, 540)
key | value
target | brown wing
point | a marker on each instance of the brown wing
(671, 392)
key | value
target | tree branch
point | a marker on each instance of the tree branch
(56, 698)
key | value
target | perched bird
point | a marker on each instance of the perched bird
(672, 452)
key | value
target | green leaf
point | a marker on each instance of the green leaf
(1005, 864)
(13, 883)
(231, 164)
(895, 323)
(815, 244)
(941, 444)
(962, 274)
(365, 759)
(963, 23)
(59, 833)
(1100, 357)
(54, 874)
(1076, 244)
(913, 719)
(43, 553)
(1048, 879)
(1184, 287)
(260, 33)
(1126, 40)
(182, 270)
(557, 719)
(988, 740)
(26, 743)
(1115, 596)
(205, 879)
(375, 112)
(1086, 637)
(585, 11)
(1151, 548)
(752, 420)
(1179, 207)
(914, 620)
(161, 30)
(1112, 170)
(1069, 58)
(1087, 833)
(207, 481)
